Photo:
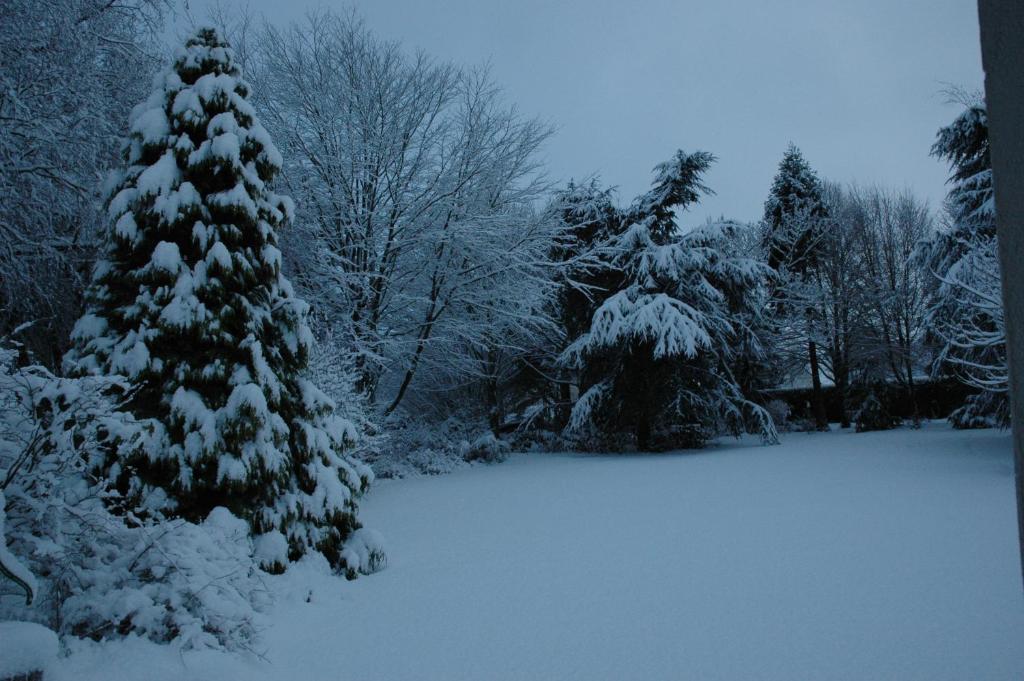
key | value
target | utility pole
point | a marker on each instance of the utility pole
(1002, 55)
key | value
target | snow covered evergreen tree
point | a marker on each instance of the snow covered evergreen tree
(655, 359)
(791, 214)
(190, 305)
(794, 219)
(592, 220)
(967, 311)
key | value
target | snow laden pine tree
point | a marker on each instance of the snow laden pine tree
(190, 304)
(655, 360)
(967, 310)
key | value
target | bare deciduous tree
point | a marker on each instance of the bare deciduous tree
(71, 70)
(415, 188)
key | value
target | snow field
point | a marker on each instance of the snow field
(834, 556)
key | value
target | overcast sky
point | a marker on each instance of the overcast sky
(856, 84)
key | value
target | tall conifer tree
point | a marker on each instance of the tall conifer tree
(190, 304)
(794, 218)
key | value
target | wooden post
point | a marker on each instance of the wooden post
(1002, 54)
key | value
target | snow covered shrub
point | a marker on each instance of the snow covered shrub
(190, 304)
(10, 567)
(95, 573)
(983, 410)
(537, 440)
(874, 414)
(486, 448)
(803, 424)
(331, 368)
(412, 446)
(780, 411)
(196, 585)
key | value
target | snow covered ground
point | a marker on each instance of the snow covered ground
(834, 556)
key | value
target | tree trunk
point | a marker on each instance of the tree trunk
(643, 432)
(817, 400)
(912, 395)
(841, 372)
(494, 415)
(842, 386)
(564, 407)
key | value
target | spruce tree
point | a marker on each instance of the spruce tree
(793, 214)
(190, 304)
(794, 220)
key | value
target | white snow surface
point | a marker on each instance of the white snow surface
(833, 556)
(25, 647)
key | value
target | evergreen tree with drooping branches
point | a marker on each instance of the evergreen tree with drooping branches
(966, 314)
(655, 358)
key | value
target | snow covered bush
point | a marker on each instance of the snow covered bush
(780, 411)
(982, 410)
(874, 414)
(656, 353)
(486, 448)
(95, 573)
(195, 584)
(189, 304)
(10, 567)
(414, 446)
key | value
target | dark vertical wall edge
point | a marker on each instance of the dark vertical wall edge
(1002, 52)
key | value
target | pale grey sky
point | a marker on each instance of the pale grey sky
(856, 84)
